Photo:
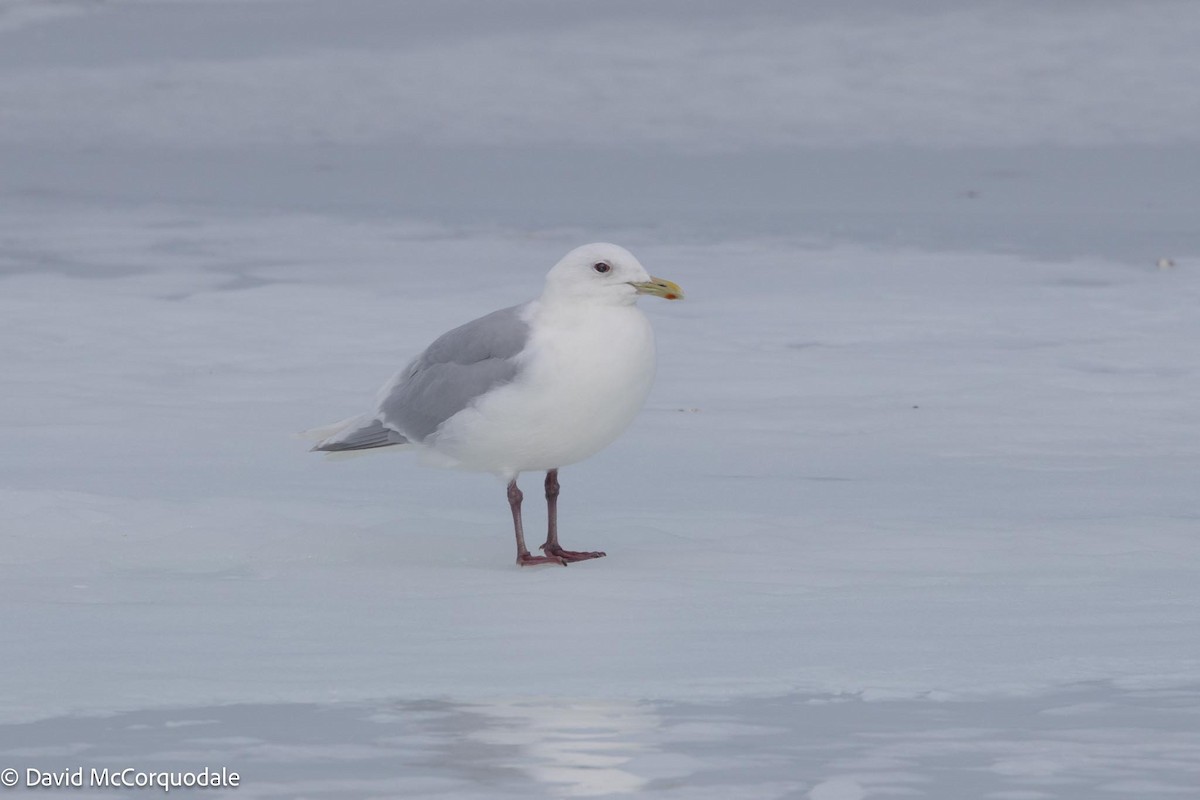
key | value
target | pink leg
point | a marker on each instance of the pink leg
(551, 547)
(524, 558)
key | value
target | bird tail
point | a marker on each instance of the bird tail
(363, 432)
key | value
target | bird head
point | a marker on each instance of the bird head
(605, 273)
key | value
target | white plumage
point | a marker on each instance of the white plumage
(585, 374)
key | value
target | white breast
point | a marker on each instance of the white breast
(586, 373)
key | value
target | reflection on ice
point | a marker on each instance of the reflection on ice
(578, 749)
(1079, 744)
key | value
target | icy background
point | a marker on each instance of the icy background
(912, 510)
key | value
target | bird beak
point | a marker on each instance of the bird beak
(659, 287)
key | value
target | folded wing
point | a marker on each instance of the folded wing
(461, 366)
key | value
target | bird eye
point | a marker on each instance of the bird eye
(601, 267)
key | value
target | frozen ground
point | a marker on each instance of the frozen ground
(1087, 742)
(912, 509)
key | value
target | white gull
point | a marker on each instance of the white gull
(534, 387)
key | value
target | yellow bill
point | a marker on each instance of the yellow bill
(659, 287)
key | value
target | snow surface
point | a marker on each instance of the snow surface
(912, 507)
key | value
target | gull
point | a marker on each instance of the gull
(534, 387)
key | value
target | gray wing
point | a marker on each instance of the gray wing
(453, 372)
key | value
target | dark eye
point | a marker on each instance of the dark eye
(601, 267)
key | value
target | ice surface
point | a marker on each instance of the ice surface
(859, 470)
(1108, 743)
(698, 76)
(912, 507)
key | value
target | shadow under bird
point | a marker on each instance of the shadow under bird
(534, 387)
